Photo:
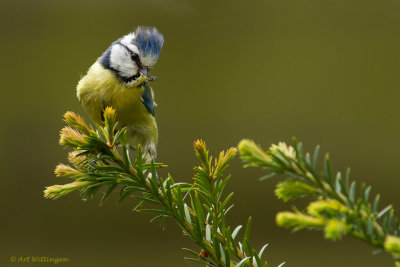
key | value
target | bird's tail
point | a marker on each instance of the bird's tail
(150, 154)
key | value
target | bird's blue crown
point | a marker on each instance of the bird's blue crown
(149, 41)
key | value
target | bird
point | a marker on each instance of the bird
(120, 78)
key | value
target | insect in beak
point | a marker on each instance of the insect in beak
(145, 72)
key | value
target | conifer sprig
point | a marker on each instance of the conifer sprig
(101, 159)
(338, 210)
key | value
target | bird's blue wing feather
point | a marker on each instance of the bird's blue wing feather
(147, 99)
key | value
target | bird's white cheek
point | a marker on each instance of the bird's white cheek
(120, 60)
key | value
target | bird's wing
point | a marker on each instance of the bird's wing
(148, 99)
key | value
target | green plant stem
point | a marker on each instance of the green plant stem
(101, 158)
(339, 211)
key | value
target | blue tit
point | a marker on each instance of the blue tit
(120, 79)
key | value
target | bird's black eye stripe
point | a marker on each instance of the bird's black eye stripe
(135, 57)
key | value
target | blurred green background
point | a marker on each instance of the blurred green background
(326, 72)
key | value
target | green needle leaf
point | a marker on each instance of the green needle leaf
(107, 193)
(248, 230)
(242, 262)
(187, 214)
(262, 251)
(384, 211)
(236, 231)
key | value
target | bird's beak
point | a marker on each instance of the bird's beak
(145, 72)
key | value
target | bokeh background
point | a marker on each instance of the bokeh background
(326, 72)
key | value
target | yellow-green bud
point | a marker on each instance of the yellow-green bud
(392, 245)
(330, 206)
(56, 191)
(252, 154)
(284, 149)
(67, 171)
(71, 138)
(291, 189)
(298, 220)
(77, 122)
(335, 229)
(77, 161)
(110, 117)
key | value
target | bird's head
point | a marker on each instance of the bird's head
(134, 55)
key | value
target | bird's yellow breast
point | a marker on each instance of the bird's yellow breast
(100, 88)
